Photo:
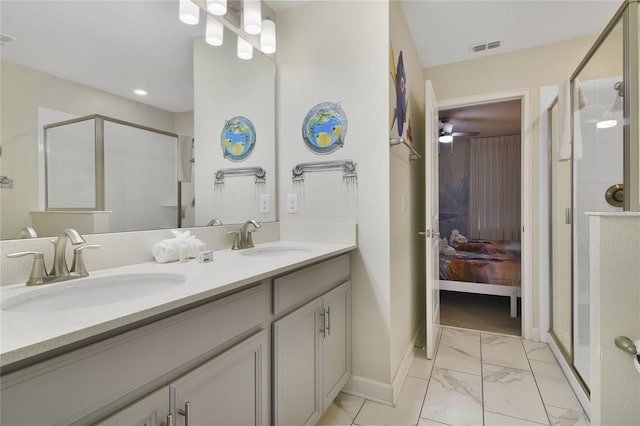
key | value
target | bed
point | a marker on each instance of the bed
(482, 267)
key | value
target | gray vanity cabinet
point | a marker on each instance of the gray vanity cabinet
(210, 361)
(312, 343)
(230, 389)
(217, 341)
(336, 342)
(149, 411)
(296, 352)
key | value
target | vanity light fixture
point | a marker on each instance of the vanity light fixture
(189, 12)
(245, 49)
(268, 36)
(217, 7)
(214, 32)
(140, 92)
(252, 16)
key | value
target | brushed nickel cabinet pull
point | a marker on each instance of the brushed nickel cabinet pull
(186, 413)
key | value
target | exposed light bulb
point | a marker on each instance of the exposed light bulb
(268, 36)
(252, 16)
(189, 12)
(445, 139)
(214, 33)
(217, 7)
(245, 49)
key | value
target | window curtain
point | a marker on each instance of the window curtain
(494, 188)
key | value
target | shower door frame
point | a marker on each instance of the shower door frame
(99, 120)
(628, 14)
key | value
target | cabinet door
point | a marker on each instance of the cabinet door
(296, 366)
(149, 411)
(230, 389)
(336, 343)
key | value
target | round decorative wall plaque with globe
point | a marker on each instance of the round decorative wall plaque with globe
(325, 128)
(238, 138)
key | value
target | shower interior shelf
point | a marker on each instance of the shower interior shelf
(397, 141)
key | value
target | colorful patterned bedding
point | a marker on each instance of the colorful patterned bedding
(482, 261)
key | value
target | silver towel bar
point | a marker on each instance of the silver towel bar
(397, 141)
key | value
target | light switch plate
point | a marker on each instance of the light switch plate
(265, 203)
(292, 203)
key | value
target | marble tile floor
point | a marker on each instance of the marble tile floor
(476, 378)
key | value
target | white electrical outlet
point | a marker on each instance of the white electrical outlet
(265, 203)
(292, 203)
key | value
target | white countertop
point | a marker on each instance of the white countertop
(28, 334)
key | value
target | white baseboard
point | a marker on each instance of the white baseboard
(372, 390)
(403, 370)
(385, 393)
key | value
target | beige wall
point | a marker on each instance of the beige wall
(23, 91)
(528, 68)
(406, 200)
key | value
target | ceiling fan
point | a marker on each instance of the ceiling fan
(447, 134)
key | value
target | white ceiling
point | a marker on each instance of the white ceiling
(444, 30)
(117, 46)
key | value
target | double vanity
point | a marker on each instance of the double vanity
(258, 336)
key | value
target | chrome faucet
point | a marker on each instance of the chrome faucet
(214, 222)
(60, 268)
(245, 234)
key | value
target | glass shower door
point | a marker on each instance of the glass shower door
(560, 238)
(597, 166)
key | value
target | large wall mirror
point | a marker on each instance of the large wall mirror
(80, 149)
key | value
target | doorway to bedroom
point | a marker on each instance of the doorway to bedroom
(480, 216)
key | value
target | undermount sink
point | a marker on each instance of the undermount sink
(273, 251)
(89, 292)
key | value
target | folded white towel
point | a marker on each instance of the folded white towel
(169, 250)
(564, 120)
(166, 251)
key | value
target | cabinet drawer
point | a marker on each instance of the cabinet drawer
(300, 286)
(69, 387)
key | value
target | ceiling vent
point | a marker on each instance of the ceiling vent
(5, 38)
(481, 47)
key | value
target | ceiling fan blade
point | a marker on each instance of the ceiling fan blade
(465, 133)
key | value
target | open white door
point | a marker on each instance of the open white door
(432, 234)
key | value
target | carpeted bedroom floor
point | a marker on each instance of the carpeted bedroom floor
(478, 312)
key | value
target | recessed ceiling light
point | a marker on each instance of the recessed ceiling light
(140, 92)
